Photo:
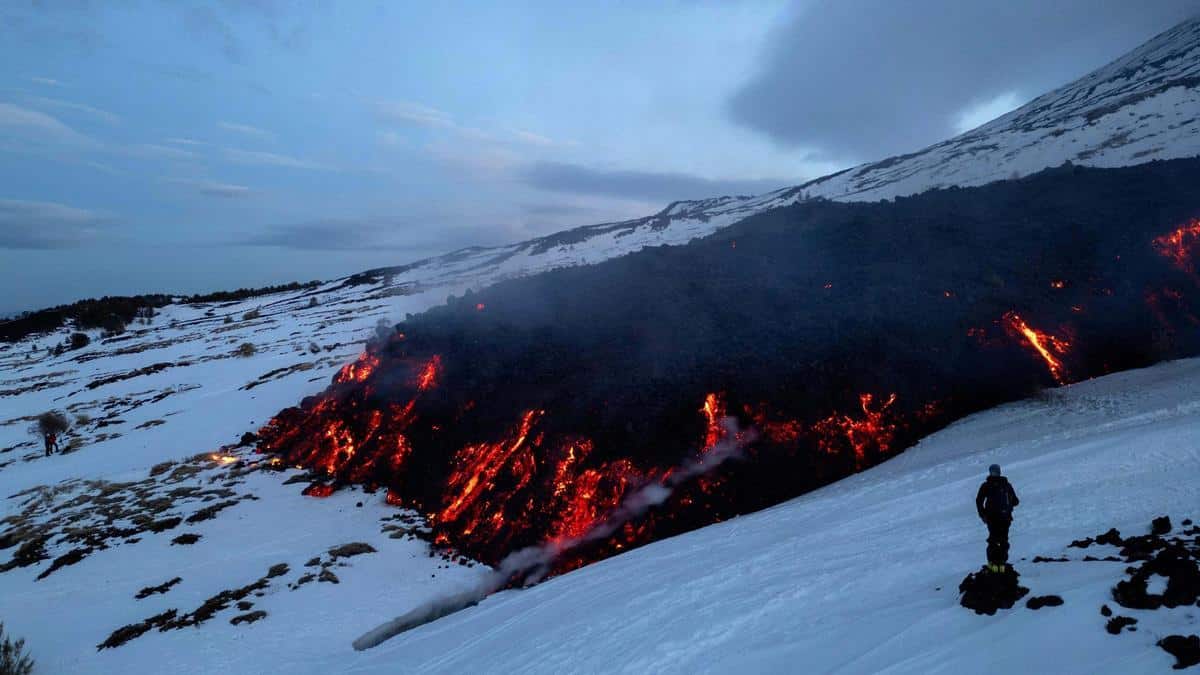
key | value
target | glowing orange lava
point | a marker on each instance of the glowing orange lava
(874, 430)
(1047, 346)
(1179, 245)
(427, 379)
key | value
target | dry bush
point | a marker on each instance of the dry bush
(52, 422)
(245, 349)
(14, 660)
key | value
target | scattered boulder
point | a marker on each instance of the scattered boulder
(1118, 623)
(1112, 538)
(1185, 649)
(328, 576)
(277, 570)
(1105, 611)
(985, 592)
(186, 539)
(1174, 562)
(350, 550)
(1160, 526)
(1041, 601)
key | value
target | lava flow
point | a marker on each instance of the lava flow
(1180, 245)
(387, 420)
(1051, 349)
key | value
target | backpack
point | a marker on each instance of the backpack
(999, 499)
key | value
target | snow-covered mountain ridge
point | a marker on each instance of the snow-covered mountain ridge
(1141, 107)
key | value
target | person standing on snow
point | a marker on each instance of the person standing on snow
(995, 503)
(51, 439)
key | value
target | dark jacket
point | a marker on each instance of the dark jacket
(996, 498)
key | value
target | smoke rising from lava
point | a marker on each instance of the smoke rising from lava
(531, 564)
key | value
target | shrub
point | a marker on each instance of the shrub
(82, 419)
(314, 348)
(245, 349)
(79, 340)
(312, 302)
(113, 325)
(228, 318)
(52, 422)
(14, 660)
(252, 314)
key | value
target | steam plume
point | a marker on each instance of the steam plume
(531, 564)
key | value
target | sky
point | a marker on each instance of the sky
(203, 145)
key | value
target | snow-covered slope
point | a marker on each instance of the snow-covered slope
(862, 576)
(1142, 107)
(842, 579)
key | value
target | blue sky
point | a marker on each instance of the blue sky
(185, 146)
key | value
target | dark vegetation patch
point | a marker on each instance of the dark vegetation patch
(154, 590)
(250, 617)
(186, 539)
(210, 512)
(108, 311)
(90, 516)
(135, 630)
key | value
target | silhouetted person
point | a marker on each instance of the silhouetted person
(995, 503)
(51, 443)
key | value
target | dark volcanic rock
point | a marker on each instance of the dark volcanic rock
(1185, 649)
(1160, 526)
(1116, 624)
(1112, 538)
(1105, 611)
(1044, 601)
(985, 592)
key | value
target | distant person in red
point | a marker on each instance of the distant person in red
(995, 503)
(51, 443)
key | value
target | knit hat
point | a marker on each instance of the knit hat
(994, 470)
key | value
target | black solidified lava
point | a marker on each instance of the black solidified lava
(1041, 601)
(985, 592)
(1185, 649)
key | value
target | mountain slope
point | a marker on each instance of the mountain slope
(1142, 107)
(861, 576)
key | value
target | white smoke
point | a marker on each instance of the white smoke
(533, 563)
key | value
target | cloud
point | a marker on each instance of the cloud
(429, 235)
(403, 112)
(154, 151)
(245, 129)
(271, 159)
(46, 225)
(102, 115)
(577, 179)
(863, 79)
(184, 141)
(30, 123)
(331, 234)
(215, 189)
(49, 82)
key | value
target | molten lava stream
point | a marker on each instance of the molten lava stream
(1047, 346)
